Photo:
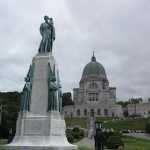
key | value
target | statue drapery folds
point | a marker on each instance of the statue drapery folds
(47, 31)
(26, 93)
(54, 93)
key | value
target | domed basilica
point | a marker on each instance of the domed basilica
(94, 97)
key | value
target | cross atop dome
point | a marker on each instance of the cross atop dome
(93, 58)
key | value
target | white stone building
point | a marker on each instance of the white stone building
(94, 97)
(141, 109)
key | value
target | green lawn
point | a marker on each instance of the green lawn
(82, 122)
(84, 148)
(132, 143)
(132, 124)
(3, 148)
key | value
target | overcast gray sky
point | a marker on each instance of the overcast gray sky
(117, 30)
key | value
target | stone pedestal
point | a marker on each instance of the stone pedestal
(39, 128)
(41, 132)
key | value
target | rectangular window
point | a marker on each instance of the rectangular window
(93, 96)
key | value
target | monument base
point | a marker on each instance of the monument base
(41, 133)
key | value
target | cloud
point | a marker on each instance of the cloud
(118, 32)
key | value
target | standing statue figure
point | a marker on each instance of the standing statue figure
(26, 97)
(47, 31)
(26, 93)
(52, 88)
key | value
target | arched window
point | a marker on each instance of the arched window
(78, 112)
(105, 112)
(98, 112)
(92, 113)
(85, 112)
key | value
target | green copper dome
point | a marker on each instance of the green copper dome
(94, 68)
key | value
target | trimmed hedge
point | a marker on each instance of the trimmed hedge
(147, 127)
(114, 141)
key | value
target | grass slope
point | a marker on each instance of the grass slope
(132, 124)
(132, 143)
(82, 122)
(84, 148)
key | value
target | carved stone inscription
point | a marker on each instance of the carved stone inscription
(35, 127)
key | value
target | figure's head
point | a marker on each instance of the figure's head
(51, 20)
(46, 18)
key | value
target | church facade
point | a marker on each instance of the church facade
(94, 97)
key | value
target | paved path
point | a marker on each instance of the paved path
(86, 142)
(140, 135)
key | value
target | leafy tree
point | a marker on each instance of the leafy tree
(10, 102)
(123, 103)
(135, 100)
(67, 99)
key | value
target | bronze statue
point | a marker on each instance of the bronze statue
(27, 90)
(47, 31)
(54, 90)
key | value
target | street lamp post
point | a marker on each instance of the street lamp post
(1, 107)
(99, 137)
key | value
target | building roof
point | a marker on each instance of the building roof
(94, 68)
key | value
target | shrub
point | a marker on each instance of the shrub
(4, 132)
(109, 134)
(76, 129)
(75, 134)
(114, 141)
(69, 135)
(81, 133)
(147, 127)
(106, 136)
(70, 138)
